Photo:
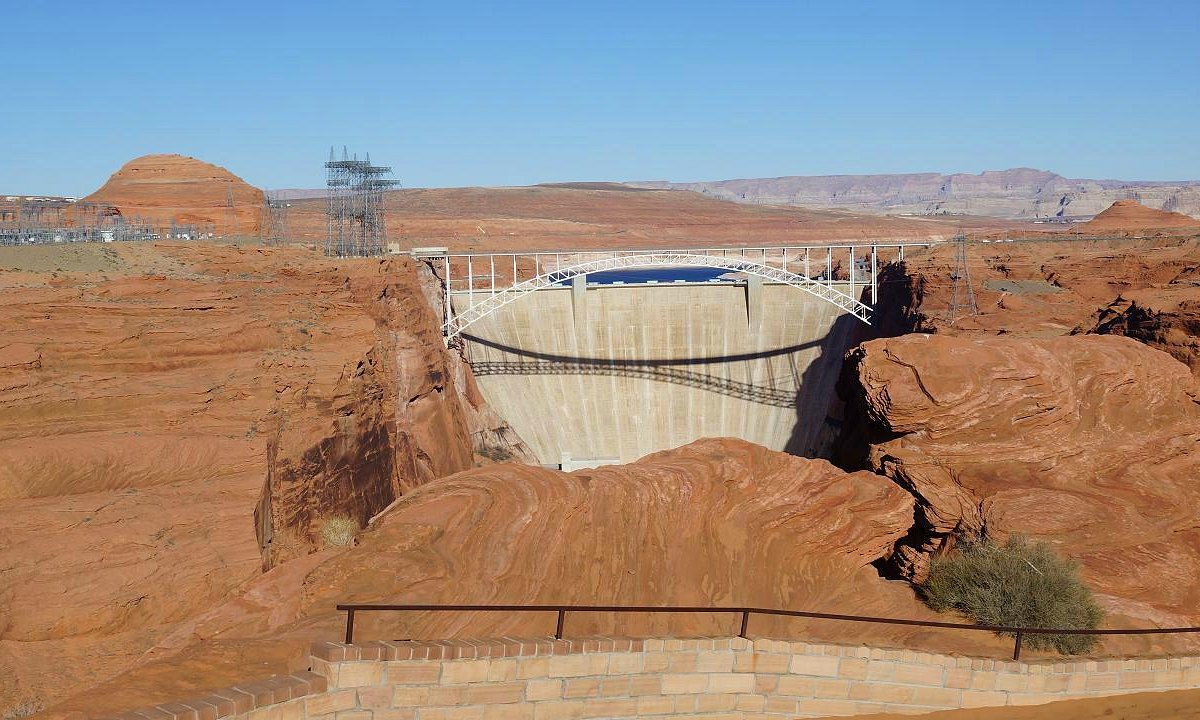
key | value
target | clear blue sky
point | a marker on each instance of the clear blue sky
(496, 93)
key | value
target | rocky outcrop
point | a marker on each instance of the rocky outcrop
(1090, 442)
(405, 413)
(719, 521)
(716, 522)
(1132, 216)
(1167, 318)
(166, 189)
(1043, 288)
(140, 410)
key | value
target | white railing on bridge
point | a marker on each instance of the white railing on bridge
(491, 280)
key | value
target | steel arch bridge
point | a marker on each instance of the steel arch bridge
(490, 286)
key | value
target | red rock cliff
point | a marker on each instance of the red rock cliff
(138, 409)
(1090, 442)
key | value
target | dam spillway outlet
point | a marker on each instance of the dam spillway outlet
(616, 372)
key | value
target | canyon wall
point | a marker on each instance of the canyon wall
(144, 402)
(405, 413)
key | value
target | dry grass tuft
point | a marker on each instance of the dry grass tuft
(24, 709)
(338, 531)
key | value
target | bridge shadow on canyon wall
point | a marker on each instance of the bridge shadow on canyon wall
(801, 377)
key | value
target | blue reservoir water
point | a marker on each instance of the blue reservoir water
(659, 274)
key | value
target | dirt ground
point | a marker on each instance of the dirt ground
(82, 257)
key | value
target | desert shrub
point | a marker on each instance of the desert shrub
(338, 531)
(496, 453)
(24, 709)
(1017, 584)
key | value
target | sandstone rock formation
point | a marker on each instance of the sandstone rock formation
(1167, 318)
(1051, 288)
(1090, 442)
(716, 522)
(137, 407)
(184, 190)
(392, 422)
(1015, 193)
(719, 521)
(1130, 215)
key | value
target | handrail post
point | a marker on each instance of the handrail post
(1017, 646)
(349, 626)
(562, 618)
(745, 623)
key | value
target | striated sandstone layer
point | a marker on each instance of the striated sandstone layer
(167, 189)
(141, 407)
(1090, 442)
(719, 521)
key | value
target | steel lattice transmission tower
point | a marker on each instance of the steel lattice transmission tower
(272, 229)
(962, 301)
(230, 214)
(355, 217)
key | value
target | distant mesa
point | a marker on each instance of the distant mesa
(1018, 193)
(175, 188)
(1132, 215)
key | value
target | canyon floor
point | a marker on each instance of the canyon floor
(177, 419)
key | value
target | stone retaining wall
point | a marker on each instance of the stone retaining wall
(544, 679)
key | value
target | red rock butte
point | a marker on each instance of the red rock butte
(184, 190)
(1132, 215)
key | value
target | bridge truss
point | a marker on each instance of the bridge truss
(490, 281)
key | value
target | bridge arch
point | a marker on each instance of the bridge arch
(824, 290)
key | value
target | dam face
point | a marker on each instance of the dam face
(612, 373)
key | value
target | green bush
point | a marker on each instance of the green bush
(338, 531)
(1017, 584)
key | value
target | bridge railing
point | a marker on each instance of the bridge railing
(743, 613)
(482, 277)
(486, 272)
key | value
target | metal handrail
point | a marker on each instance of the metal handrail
(745, 612)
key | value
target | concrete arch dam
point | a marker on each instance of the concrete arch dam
(592, 371)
